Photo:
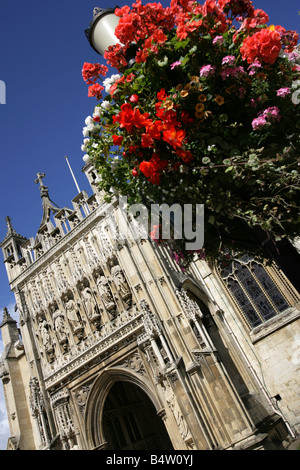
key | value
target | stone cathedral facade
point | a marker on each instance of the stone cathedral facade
(117, 349)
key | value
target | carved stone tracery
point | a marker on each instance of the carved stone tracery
(64, 420)
(38, 410)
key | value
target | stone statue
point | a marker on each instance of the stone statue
(121, 283)
(59, 323)
(177, 413)
(45, 335)
(72, 313)
(91, 306)
(105, 293)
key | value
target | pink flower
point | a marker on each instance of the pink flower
(232, 72)
(207, 70)
(218, 40)
(283, 92)
(272, 112)
(253, 67)
(269, 114)
(229, 59)
(258, 123)
(178, 62)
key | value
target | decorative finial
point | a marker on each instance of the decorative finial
(9, 225)
(39, 179)
(43, 188)
(11, 231)
(5, 313)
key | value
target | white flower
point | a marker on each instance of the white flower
(107, 83)
(89, 126)
(84, 145)
(97, 112)
(106, 104)
(86, 158)
(94, 145)
(85, 132)
(163, 62)
(89, 121)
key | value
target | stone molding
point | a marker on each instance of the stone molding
(99, 213)
(87, 356)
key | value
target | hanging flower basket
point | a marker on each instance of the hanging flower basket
(207, 114)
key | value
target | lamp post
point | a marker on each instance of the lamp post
(101, 32)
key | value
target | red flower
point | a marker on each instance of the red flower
(265, 46)
(161, 95)
(130, 77)
(152, 169)
(95, 90)
(289, 38)
(125, 117)
(90, 72)
(128, 118)
(237, 7)
(134, 99)
(154, 129)
(174, 137)
(146, 141)
(115, 56)
(133, 148)
(185, 155)
(118, 139)
(140, 120)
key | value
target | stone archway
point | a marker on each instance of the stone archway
(130, 420)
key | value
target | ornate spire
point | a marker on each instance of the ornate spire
(6, 317)
(9, 225)
(11, 231)
(48, 205)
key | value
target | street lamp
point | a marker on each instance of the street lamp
(101, 32)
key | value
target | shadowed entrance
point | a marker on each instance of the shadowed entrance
(130, 420)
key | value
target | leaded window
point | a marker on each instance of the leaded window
(253, 289)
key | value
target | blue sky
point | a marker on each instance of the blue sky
(43, 48)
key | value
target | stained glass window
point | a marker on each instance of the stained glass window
(253, 290)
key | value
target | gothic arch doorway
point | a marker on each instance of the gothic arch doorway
(130, 420)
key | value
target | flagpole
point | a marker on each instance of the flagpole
(78, 189)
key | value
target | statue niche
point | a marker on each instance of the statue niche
(60, 326)
(122, 286)
(73, 315)
(45, 337)
(105, 293)
(92, 308)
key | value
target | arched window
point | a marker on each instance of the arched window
(253, 289)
